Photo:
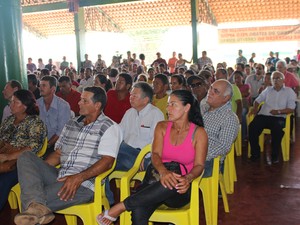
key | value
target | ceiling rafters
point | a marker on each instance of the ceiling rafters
(133, 15)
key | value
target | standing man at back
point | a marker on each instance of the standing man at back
(54, 111)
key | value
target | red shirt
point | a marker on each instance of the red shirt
(115, 109)
(290, 80)
(72, 98)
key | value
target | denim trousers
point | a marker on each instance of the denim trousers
(125, 160)
(7, 181)
(145, 201)
(38, 181)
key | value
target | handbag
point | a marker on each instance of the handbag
(152, 175)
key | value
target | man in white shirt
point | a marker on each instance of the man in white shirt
(137, 126)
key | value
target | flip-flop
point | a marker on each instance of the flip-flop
(106, 216)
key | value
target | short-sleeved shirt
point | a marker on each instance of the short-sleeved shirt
(161, 104)
(72, 98)
(56, 117)
(277, 100)
(115, 109)
(31, 132)
(138, 127)
(290, 80)
(235, 97)
(83, 145)
(255, 84)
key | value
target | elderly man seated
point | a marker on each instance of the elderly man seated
(278, 101)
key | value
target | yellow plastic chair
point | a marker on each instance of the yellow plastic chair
(88, 211)
(238, 142)
(285, 142)
(210, 188)
(126, 179)
(188, 214)
(12, 197)
(230, 175)
(117, 175)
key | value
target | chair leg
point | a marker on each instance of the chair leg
(224, 194)
(71, 219)
(12, 199)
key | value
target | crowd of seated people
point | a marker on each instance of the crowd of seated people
(224, 95)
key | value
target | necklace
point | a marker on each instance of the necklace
(179, 132)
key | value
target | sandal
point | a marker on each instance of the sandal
(105, 215)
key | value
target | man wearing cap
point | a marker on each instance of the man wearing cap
(198, 87)
(241, 58)
(159, 60)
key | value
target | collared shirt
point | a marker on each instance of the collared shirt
(221, 126)
(277, 100)
(56, 117)
(255, 84)
(83, 145)
(72, 98)
(138, 127)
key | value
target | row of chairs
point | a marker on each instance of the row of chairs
(188, 214)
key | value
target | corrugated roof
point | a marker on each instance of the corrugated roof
(160, 13)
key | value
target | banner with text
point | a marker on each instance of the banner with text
(259, 34)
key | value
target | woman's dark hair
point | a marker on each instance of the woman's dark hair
(186, 97)
(103, 80)
(28, 99)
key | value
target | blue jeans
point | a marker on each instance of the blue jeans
(125, 160)
(7, 181)
(38, 181)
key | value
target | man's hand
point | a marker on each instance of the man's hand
(71, 184)
(275, 112)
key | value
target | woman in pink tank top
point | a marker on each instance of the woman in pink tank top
(182, 139)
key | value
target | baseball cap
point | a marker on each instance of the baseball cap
(194, 77)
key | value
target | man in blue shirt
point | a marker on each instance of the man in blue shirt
(54, 111)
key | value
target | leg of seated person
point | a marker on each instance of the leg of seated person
(276, 126)
(83, 195)
(150, 198)
(126, 157)
(7, 181)
(33, 175)
(255, 129)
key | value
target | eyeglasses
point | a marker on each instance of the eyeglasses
(277, 78)
(196, 85)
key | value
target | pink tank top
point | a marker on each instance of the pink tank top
(183, 153)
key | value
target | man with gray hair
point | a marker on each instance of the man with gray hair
(220, 122)
(279, 101)
(137, 126)
(290, 79)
